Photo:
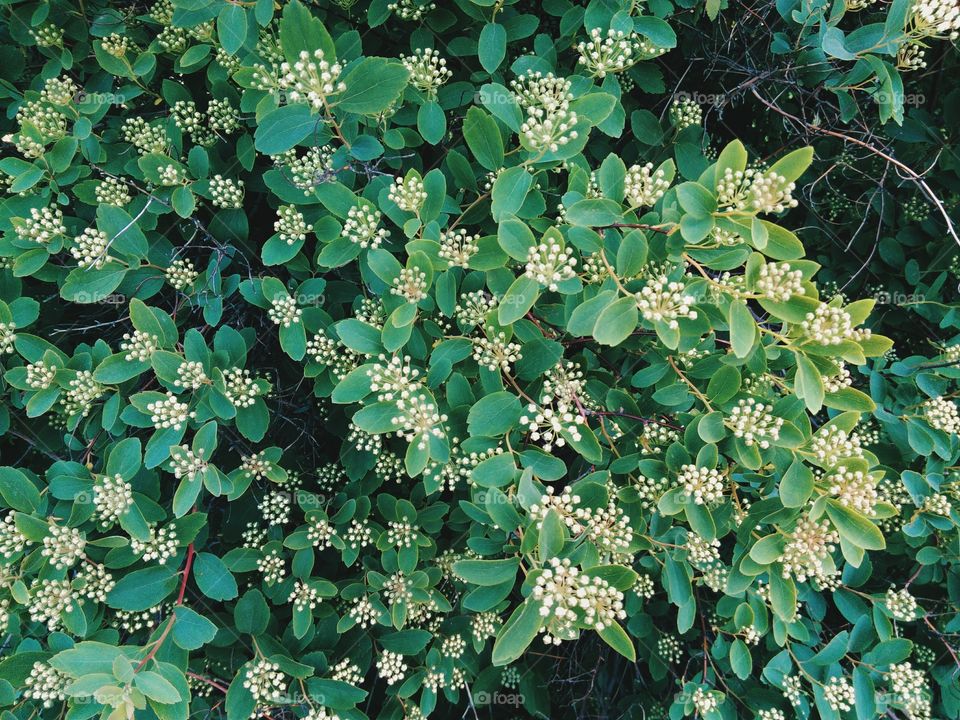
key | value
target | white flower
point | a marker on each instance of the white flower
(112, 497)
(411, 284)
(283, 311)
(428, 71)
(901, 604)
(241, 389)
(838, 692)
(408, 194)
(139, 346)
(941, 413)
(391, 666)
(64, 546)
(643, 187)
(549, 123)
(457, 247)
(704, 486)
(90, 248)
(311, 79)
(753, 191)
(547, 425)
(290, 224)
(265, 681)
(829, 325)
(181, 274)
(663, 300)
(169, 413)
(362, 226)
(43, 225)
(777, 281)
(685, 113)
(753, 422)
(7, 337)
(160, 545)
(226, 193)
(808, 547)
(614, 51)
(496, 353)
(550, 264)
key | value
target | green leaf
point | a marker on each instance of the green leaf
(517, 633)
(487, 572)
(155, 687)
(142, 589)
(191, 630)
(796, 486)
(17, 490)
(743, 328)
(232, 27)
(494, 414)
(855, 527)
(373, 85)
(492, 46)
(509, 192)
(213, 578)
(517, 301)
(483, 138)
(594, 212)
(283, 128)
(616, 322)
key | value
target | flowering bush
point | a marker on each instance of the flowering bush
(393, 359)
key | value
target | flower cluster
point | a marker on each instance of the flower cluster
(568, 596)
(549, 264)
(808, 548)
(839, 694)
(942, 414)
(90, 248)
(139, 345)
(702, 486)
(752, 422)
(428, 71)
(643, 186)
(63, 546)
(684, 113)
(408, 193)
(753, 191)
(410, 284)
(169, 412)
(457, 247)
(830, 325)
(311, 79)
(392, 667)
(362, 227)
(550, 123)
(112, 497)
(181, 274)
(283, 311)
(290, 224)
(549, 425)
(496, 353)
(226, 193)
(778, 282)
(43, 225)
(613, 52)
(664, 300)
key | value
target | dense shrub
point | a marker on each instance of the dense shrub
(371, 359)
